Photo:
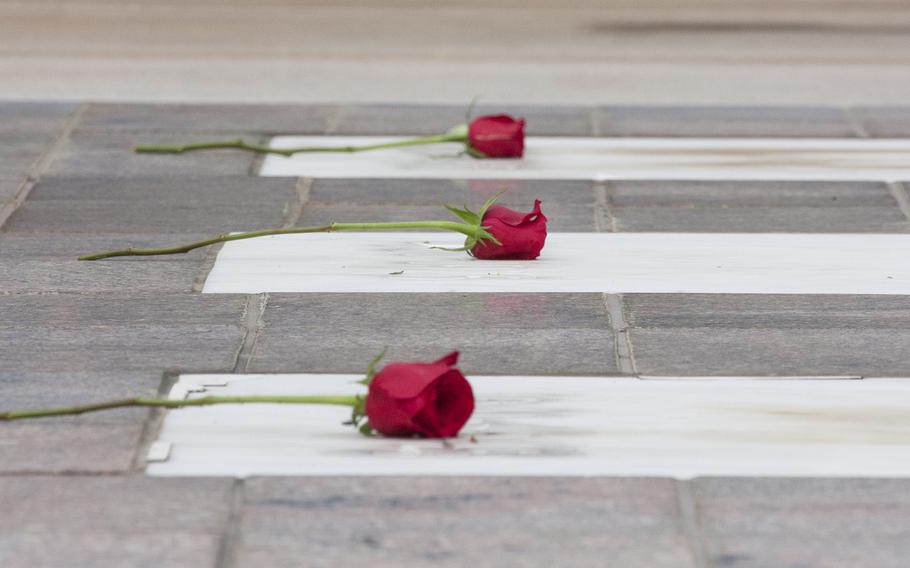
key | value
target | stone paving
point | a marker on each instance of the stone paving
(73, 493)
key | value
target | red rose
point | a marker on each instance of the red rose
(497, 136)
(433, 400)
(521, 235)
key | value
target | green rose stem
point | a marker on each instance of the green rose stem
(474, 232)
(457, 134)
(166, 403)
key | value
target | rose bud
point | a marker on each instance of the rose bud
(433, 400)
(497, 136)
(521, 236)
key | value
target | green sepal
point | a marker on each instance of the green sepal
(465, 214)
(459, 130)
(474, 153)
(371, 366)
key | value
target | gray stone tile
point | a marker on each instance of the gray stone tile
(91, 550)
(514, 193)
(68, 445)
(120, 504)
(754, 206)
(761, 219)
(92, 152)
(560, 217)
(70, 275)
(498, 333)
(418, 521)
(719, 334)
(9, 186)
(805, 523)
(119, 332)
(734, 193)
(787, 122)
(546, 120)
(424, 120)
(33, 116)
(417, 120)
(885, 122)
(67, 246)
(155, 205)
(252, 118)
(57, 521)
(22, 391)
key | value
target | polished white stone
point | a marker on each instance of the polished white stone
(571, 262)
(559, 426)
(608, 158)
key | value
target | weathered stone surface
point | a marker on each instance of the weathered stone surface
(705, 334)
(93, 152)
(69, 445)
(447, 521)
(120, 332)
(254, 118)
(810, 523)
(787, 122)
(498, 333)
(155, 205)
(112, 521)
(885, 122)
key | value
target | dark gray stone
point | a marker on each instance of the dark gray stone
(446, 521)
(69, 445)
(560, 217)
(21, 391)
(9, 186)
(112, 521)
(392, 119)
(120, 332)
(425, 120)
(885, 122)
(685, 193)
(719, 334)
(787, 122)
(805, 523)
(761, 219)
(517, 194)
(67, 246)
(254, 118)
(155, 205)
(92, 152)
(33, 116)
(66, 274)
(505, 334)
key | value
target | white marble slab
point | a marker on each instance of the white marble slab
(559, 426)
(608, 158)
(571, 262)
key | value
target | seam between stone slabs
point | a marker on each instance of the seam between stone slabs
(151, 426)
(253, 323)
(258, 159)
(35, 171)
(226, 555)
(688, 511)
(622, 344)
(858, 127)
(303, 186)
(602, 209)
(900, 193)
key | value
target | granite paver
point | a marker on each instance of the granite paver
(805, 523)
(96, 152)
(755, 206)
(885, 122)
(462, 522)
(130, 521)
(714, 121)
(212, 204)
(120, 332)
(497, 333)
(721, 334)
